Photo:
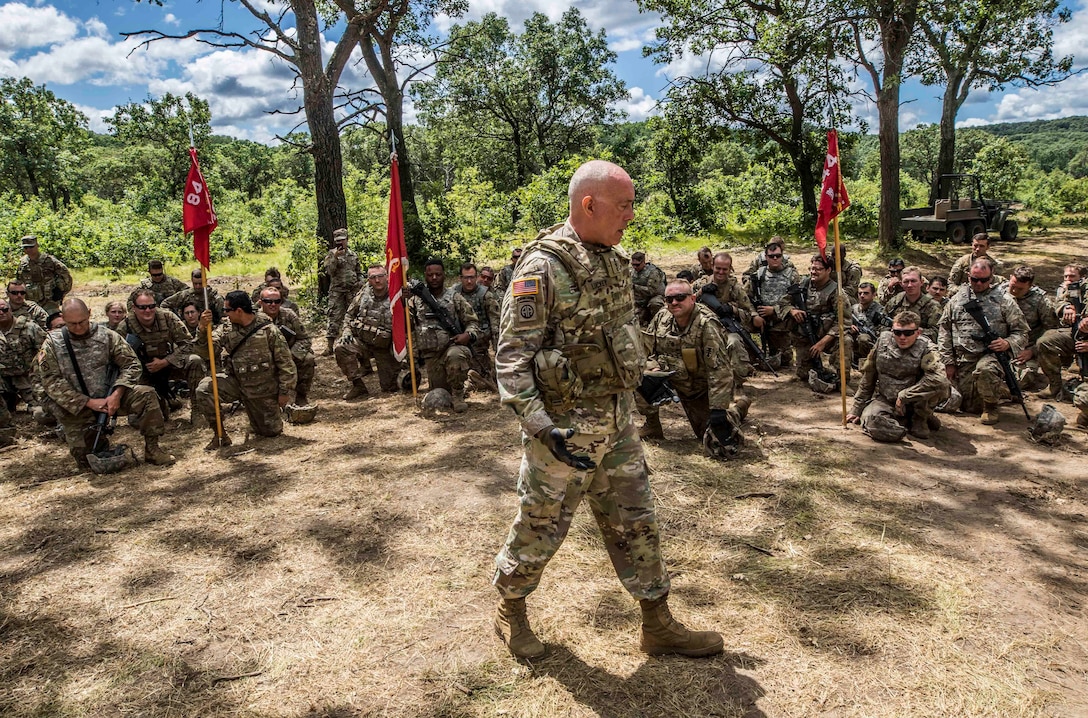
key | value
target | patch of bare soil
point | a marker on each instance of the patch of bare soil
(343, 570)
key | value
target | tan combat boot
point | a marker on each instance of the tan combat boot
(651, 428)
(358, 390)
(512, 626)
(217, 442)
(153, 453)
(919, 427)
(662, 634)
(329, 341)
(989, 414)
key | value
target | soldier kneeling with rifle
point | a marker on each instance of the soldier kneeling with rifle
(687, 341)
(74, 365)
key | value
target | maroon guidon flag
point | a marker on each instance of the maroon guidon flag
(396, 264)
(833, 196)
(198, 216)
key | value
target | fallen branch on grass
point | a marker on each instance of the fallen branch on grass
(240, 676)
(756, 495)
(150, 600)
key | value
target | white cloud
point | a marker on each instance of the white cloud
(638, 105)
(25, 27)
(96, 117)
(88, 59)
(96, 28)
(171, 19)
(1070, 38)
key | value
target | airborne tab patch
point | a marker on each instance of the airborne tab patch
(525, 287)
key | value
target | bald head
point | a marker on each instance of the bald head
(76, 316)
(602, 202)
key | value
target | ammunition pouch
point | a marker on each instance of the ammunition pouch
(556, 379)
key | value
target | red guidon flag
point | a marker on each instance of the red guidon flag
(198, 216)
(396, 264)
(833, 196)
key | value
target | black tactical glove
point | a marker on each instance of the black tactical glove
(721, 427)
(556, 441)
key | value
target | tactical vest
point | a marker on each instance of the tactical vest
(157, 342)
(965, 328)
(93, 354)
(896, 369)
(772, 285)
(429, 334)
(373, 324)
(678, 350)
(1033, 305)
(598, 337)
(17, 353)
(476, 299)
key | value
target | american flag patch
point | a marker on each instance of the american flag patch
(526, 287)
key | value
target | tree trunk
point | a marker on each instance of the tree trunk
(895, 33)
(946, 149)
(317, 98)
(802, 164)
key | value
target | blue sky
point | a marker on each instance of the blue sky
(75, 47)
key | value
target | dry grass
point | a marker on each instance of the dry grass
(343, 570)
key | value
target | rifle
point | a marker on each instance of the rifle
(728, 318)
(755, 286)
(159, 379)
(988, 335)
(656, 389)
(449, 322)
(1075, 294)
(104, 423)
(866, 326)
(810, 331)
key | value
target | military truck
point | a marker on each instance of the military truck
(960, 213)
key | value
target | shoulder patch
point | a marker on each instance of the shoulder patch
(526, 287)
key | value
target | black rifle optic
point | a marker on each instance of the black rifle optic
(159, 379)
(728, 319)
(988, 335)
(810, 330)
(1075, 293)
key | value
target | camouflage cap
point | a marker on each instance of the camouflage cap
(112, 460)
(30, 240)
(296, 414)
(341, 233)
(883, 427)
(897, 262)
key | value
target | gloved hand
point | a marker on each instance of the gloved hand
(721, 427)
(556, 441)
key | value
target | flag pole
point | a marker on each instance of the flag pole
(404, 284)
(843, 368)
(211, 362)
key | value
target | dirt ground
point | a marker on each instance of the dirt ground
(343, 569)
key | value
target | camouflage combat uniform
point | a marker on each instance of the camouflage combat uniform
(302, 351)
(368, 333)
(167, 287)
(852, 273)
(697, 272)
(649, 288)
(570, 354)
(884, 291)
(1055, 346)
(167, 338)
(23, 340)
(732, 292)
(486, 306)
(7, 426)
(343, 273)
(175, 302)
(254, 366)
(502, 280)
(915, 376)
(978, 373)
(47, 280)
(32, 312)
(1039, 313)
(823, 303)
(255, 297)
(873, 315)
(926, 307)
(699, 356)
(94, 352)
(447, 363)
(766, 289)
(761, 261)
(961, 268)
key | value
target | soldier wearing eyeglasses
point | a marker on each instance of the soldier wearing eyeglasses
(687, 340)
(969, 364)
(902, 382)
(297, 338)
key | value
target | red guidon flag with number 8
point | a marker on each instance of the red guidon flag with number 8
(198, 216)
(833, 196)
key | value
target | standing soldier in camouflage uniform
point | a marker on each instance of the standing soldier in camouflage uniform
(980, 249)
(821, 298)
(297, 338)
(486, 306)
(867, 311)
(20, 307)
(257, 367)
(1055, 346)
(902, 381)
(446, 355)
(165, 346)
(341, 266)
(23, 338)
(78, 389)
(1040, 315)
(161, 284)
(969, 364)
(649, 286)
(175, 302)
(502, 283)
(766, 288)
(689, 340)
(368, 333)
(569, 357)
(46, 278)
(851, 272)
(912, 298)
(731, 292)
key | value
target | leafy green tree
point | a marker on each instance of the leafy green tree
(240, 165)
(41, 137)
(537, 95)
(1000, 166)
(980, 44)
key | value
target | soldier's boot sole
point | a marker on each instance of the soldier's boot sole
(512, 627)
(663, 635)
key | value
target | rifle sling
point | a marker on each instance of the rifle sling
(75, 364)
(252, 330)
